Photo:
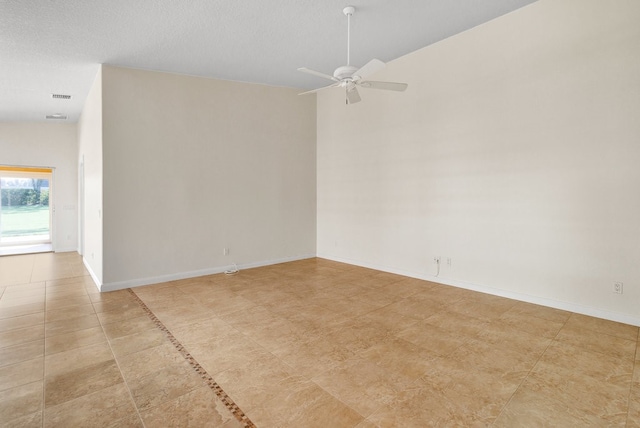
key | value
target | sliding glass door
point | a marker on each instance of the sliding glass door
(25, 211)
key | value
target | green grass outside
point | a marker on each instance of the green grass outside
(24, 220)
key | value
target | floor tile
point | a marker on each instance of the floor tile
(149, 360)
(10, 301)
(203, 330)
(417, 406)
(33, 420)
(481, 307)
(69, 312)
(74, 359)
(535, 408)
(358, 335)
(21, 373)
(20, 401)
(222, 353)
(434, 339)
(22, 352)
(252, 383)
(315, 357)
(612, 328)
(514, 363)
(412, 307)
(400, 357)
(73, 340)
(127, 327)
(25, 309)
(375, 385)
(70, 325)
(303, 403)
(81, 381)
(588, 397)
(535, 326)
(461, 325)
(124, 313)
(136, 342)
(575, 362)
(198, 408)
(22, 321)
(163, 385)
(391, 321)
(505, 335)
(22, 335)
(102, 408)
(61, 301)
(597, 342)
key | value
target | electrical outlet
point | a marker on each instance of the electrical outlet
(449, 261)
(436, 259)
(617, 287)
(225, 251)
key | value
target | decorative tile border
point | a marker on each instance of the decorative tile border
(228, 402)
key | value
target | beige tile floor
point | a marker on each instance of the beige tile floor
(303, 344)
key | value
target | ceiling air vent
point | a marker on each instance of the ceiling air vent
(60, 96)
(57, 116)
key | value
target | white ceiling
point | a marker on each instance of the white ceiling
(56, 46)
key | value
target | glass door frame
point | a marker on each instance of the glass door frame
(38, 173)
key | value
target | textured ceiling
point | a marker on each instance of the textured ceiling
(56, 46)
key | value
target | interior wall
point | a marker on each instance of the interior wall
(193, 166)
(48, 145)
(90, 157)
(514, 154)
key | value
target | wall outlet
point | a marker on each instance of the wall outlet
(436, 259)
(225, 251)
(617, 287)
(449, 261)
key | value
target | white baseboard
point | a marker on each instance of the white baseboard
(92, 273)
(113, 286)
(65, 250)
(556, 304)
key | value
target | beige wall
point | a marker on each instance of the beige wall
(195, 165)
(514, 152)
(91, 181)
(48, 145)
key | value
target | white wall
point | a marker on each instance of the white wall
(48, 145)
(195, 165)
(515, 152)
(90, 155)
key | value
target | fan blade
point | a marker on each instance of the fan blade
(369, 68)
(388, 86)
(353, 96)
(317, 73)
(313, 91)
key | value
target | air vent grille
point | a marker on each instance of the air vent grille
(58, 116)
(61, 96)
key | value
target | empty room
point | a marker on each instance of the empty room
(320, 214)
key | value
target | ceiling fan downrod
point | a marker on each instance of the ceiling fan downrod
(349, 10)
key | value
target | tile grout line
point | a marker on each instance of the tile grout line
(44, 355)
(211, 383)
(531, 369)
(115, 359)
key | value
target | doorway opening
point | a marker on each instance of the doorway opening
(26, 214)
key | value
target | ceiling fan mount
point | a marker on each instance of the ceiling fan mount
(350, 77)
(344, 72)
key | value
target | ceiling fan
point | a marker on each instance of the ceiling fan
(350, 77)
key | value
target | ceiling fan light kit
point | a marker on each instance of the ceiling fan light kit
(350, 77)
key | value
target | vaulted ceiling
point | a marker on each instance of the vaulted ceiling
(55, 46)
